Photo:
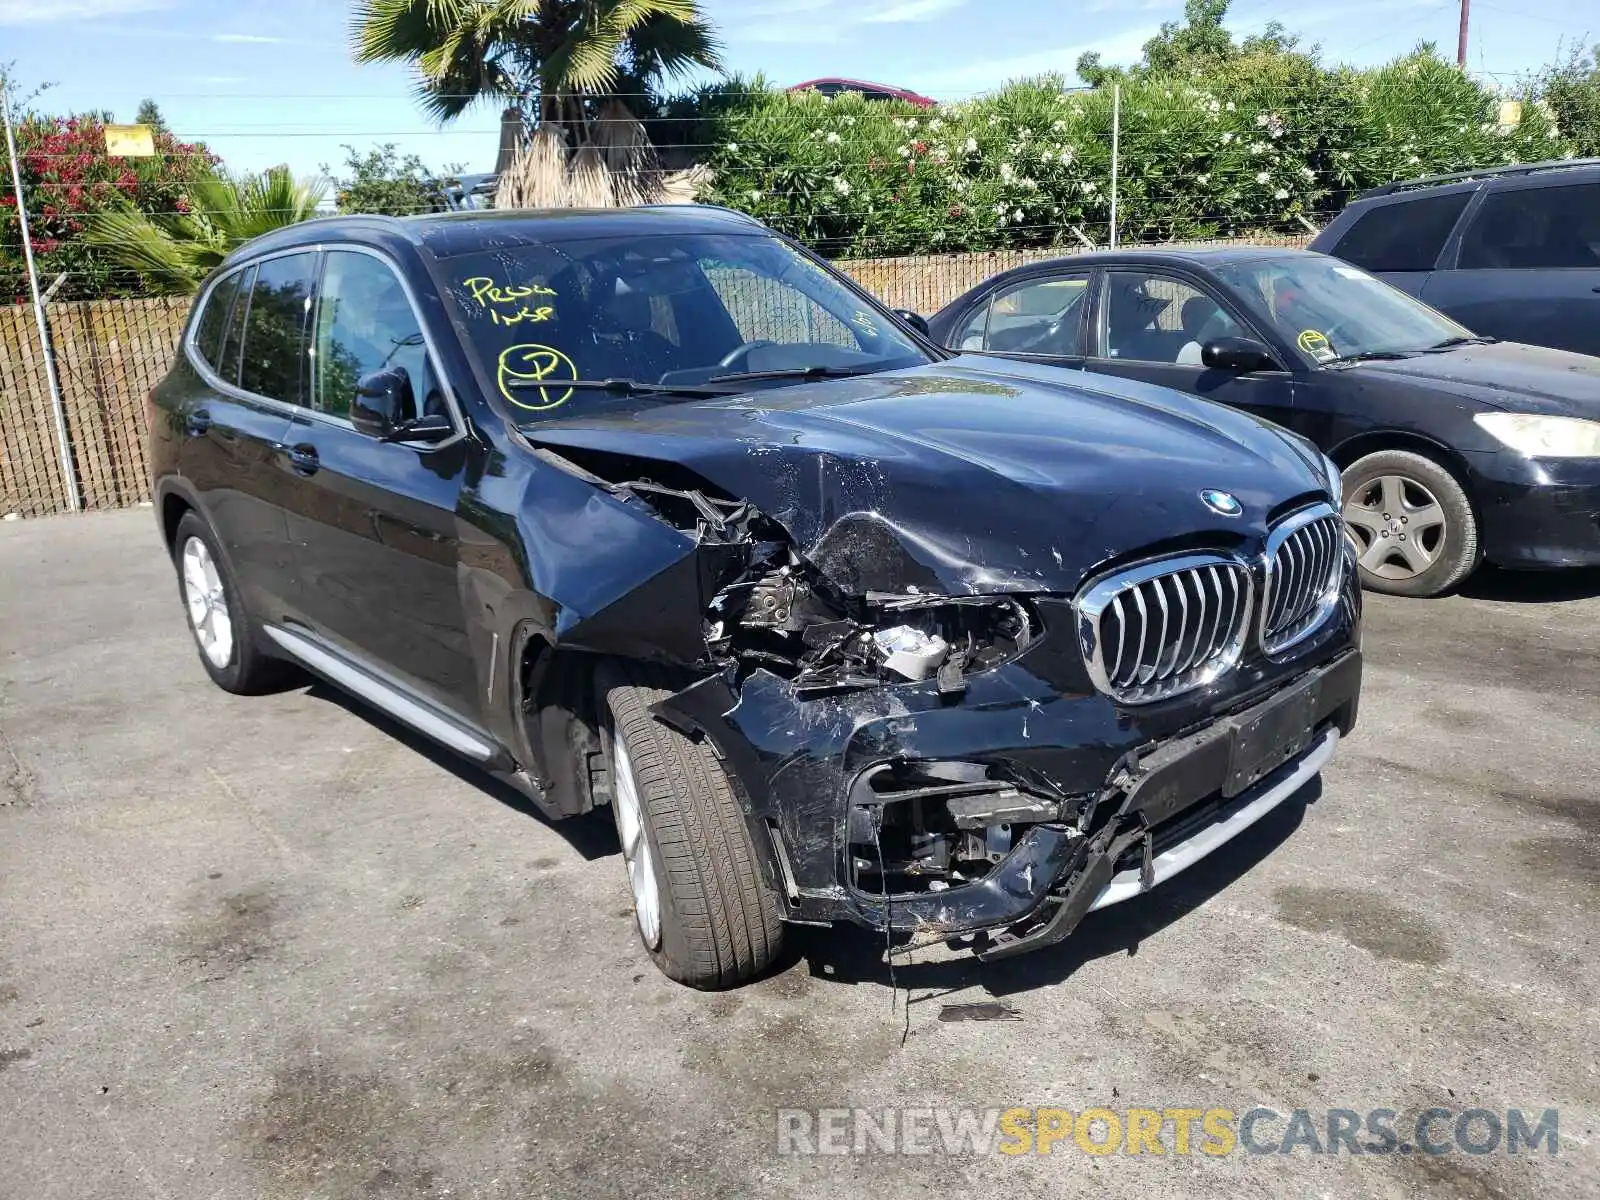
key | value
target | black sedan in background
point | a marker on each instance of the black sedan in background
(1455, 448)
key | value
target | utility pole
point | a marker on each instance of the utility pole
(1461, 42)
(57, 408)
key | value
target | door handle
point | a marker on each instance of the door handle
(198, 423)
(303, 459)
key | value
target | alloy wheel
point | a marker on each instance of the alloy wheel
(1398, 526)
(635, 845)
(207, 603)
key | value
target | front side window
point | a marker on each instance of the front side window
(1535, 228)
(274, 335)
(1155, 318)
(1404, 236)
(1037, 316)
(664, 310)
(1330, 310)
(365, 324)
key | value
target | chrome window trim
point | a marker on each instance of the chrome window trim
(1326, 603)
(1093, 601)
(297, 411)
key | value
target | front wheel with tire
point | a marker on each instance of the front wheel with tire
(704, 911)
(1412, 524)
(222, 630)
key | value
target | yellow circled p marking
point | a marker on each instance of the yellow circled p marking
(534, 363)
(1313, 341)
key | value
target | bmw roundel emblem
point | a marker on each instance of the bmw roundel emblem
(1224, 504)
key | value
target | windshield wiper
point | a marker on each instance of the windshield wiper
(619, 387)
(1371, 356)
(795, 373)
(1468, 340)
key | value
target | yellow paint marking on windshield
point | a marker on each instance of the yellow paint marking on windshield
(535, 363)
(486, 291)
(543, 313)
(1315, 343)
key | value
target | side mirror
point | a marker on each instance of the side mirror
(916, 320)
(383, 401)
(1238, 354)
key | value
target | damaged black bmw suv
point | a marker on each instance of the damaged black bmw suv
(653, 510)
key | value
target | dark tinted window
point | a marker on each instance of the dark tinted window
(1037, 316)
(1535, 227)
(1402, 237)
(213, 324)
(1153, 318)
(228, 361)
(274, 340)
(366, 324)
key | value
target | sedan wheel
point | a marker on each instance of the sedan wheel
(1399, 526)
(1413, 528)
(207, 603)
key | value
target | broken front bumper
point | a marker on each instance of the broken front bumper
(1168, 809)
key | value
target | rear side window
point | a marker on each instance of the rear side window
(1402, 237)
(274, 337)
(227, 364)
(213, 324)
(1534, 228)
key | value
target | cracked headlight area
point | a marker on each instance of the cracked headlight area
(787, 622)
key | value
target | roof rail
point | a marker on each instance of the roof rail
(1549, 164)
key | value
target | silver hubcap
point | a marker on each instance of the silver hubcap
(635, 845)
(207, 604)
(1398, 526)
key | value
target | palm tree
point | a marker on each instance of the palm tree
(175, 251)
(567, 67)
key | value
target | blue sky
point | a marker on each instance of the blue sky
(270, 81)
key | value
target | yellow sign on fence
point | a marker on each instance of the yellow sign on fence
(130, 141)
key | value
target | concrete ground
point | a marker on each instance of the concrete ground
(275, 947)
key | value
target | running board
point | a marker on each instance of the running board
(385, 696)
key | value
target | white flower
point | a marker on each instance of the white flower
(1203, 178)
(733, 147)
(1413, 159)
(1226, 138)
(1016, 217)
(972, 145)
(938, 235)
(1059, 125)
(1259, 147)
(1089, 187)
(1031, 184)
(849, 120)
(1264, 177)
(1229, 106)
(1261, 120)
(1344, 154)
(841, 185)
(1281, 194)
(755, 194)
(1308, 172)
(911, 122)
(832, 138)
(1000, 209)
(935, 125)
(1067, 155)
(1008, 173)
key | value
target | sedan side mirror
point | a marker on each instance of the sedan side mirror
(916, 320)
(383, 403)
(1238, 354)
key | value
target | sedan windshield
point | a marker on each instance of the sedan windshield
(1332, 311)
(574, 327)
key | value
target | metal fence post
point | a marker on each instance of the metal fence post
(57, 407)
(1116, 140)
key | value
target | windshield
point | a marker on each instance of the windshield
(667, 310)
(1331, 310)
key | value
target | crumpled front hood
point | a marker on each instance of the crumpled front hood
(1506, 375)
(961, 477)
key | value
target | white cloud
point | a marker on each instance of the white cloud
(1124, 47)
(41, 12)
(911, 10)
